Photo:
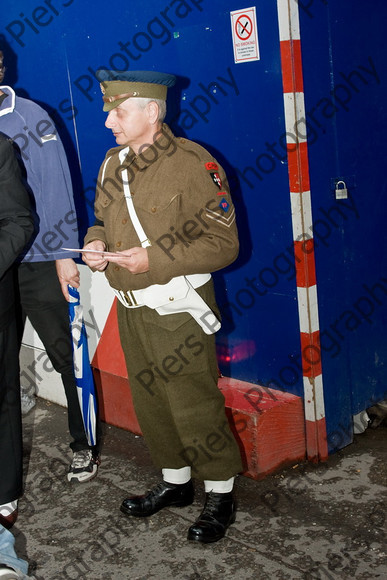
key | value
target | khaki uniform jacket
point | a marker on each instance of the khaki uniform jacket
(183, 203)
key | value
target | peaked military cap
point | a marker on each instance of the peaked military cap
(117, 86)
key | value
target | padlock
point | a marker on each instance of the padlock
(341, 192)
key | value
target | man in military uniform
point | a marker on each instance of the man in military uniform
(164, 221)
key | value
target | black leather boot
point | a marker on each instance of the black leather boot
(163, 495)
(218, 514)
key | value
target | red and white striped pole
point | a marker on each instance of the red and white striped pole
(297, 151)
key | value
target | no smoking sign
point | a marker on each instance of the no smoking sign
(244, 35)
(244, 27)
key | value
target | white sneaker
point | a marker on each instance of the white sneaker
(8, 513)
(7, 573)
(28, 402)
(84, 466)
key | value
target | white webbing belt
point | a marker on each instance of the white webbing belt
(159, 294)
(129, 202)
(179, 294)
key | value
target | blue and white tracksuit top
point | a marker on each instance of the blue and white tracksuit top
(47, 176)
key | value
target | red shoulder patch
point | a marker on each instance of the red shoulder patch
(211, 166)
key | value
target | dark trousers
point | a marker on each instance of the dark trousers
(173, 377)
(11, 456)
(41, 299)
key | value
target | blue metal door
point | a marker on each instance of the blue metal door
(344, 75)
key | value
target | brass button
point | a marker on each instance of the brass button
(118, 244)
(171, 298)
(124, 221)
(153, 209)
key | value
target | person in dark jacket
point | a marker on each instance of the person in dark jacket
(46, 269)
(16, 228)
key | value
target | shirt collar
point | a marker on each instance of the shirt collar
(152, 153)
(8, 105)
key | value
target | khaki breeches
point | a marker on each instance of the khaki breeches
(173, 377)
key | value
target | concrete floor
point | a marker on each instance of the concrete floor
(307, 522)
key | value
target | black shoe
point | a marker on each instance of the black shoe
(163, 495)
(218, 514)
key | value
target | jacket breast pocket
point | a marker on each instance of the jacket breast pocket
(159, 215)
(105, 200)
(108, 210)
